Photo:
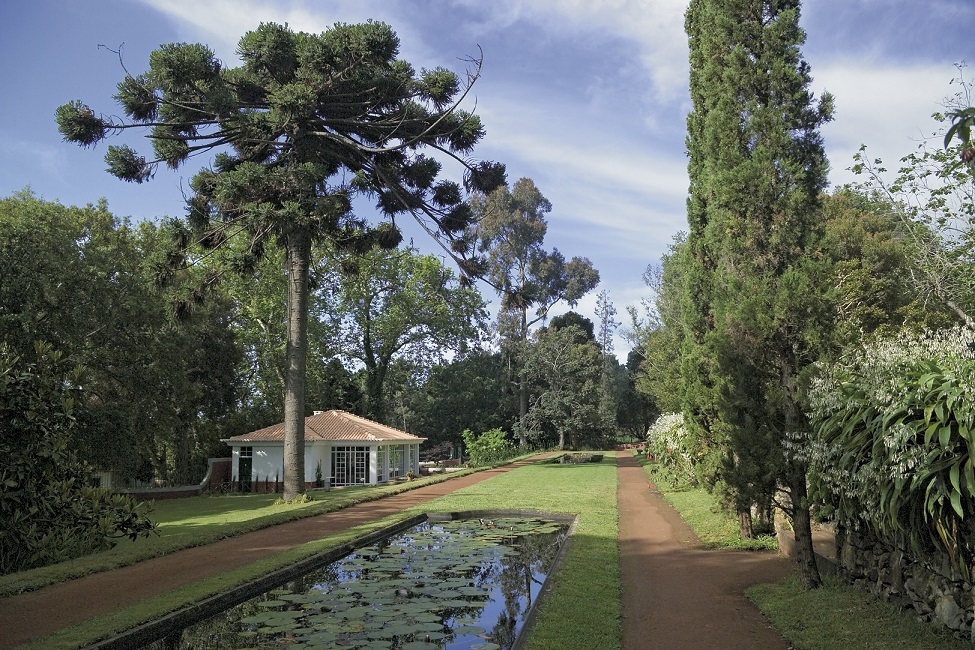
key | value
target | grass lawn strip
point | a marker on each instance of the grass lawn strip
(582, 609)
(197, 521)
(838, 617)
(834, 617)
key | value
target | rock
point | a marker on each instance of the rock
(947, 611)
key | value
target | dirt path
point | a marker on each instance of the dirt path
(676, 594)
(37, 614)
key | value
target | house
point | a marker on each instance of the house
(342, 448)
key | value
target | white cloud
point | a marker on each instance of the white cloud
(887, 108)
(654, 27)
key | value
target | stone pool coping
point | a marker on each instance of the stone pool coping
(176, 621)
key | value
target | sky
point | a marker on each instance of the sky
(588, 98)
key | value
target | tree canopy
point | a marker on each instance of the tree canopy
(306, 122)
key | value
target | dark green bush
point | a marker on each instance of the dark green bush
(49, 511)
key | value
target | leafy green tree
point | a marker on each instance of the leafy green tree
(752, 311)
(932, 194)
(304, 123)
(400, 304)
(656, 332)
(871, 284)
(609, 386)
(487, 448)
(565, 374)
(510, 231)
(470, 392)
(49, 510)
(84, 280)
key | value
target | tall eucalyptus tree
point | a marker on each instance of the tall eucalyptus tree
(510, 231)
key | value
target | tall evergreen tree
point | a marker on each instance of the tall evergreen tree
(305, 122)
(757, 167)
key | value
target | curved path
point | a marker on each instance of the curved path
(678, 595)
(675, 595)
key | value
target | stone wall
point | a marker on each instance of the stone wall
(929, 589)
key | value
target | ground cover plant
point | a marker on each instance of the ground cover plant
(715, 526)
(582, 609)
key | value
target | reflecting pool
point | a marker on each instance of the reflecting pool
(467, 583)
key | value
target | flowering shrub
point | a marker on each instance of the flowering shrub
(894, 431)
(671, 448)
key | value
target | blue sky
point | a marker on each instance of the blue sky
(587, 98)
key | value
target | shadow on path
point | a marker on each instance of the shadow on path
(678, 595)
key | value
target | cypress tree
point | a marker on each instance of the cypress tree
(750, 315)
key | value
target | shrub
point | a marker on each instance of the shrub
(894, 432)
(48, 510)
(488, 448)
(672, 450)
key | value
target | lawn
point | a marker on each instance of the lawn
(184, 523)
(582, 609)
(833, 617)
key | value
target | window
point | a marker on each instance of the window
(350, 465)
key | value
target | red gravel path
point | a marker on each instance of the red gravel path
(675, 595)
(678, 595)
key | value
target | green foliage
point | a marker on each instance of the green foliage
(895, 432)
(488, 448)
(931, 195)
(398, 306)
(673, 452)
(564, 369)
(85, 281)
(50, 513)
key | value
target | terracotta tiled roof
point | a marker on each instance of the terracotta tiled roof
(332, 426)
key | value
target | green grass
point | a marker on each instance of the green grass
(715, 526)
(833, 617)
(196, 521)
(838, 617)
(582, 609)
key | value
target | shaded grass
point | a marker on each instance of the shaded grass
(197, 521)
(581, 610)
(838, 617)
(714, 525)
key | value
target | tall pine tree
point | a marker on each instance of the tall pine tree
(756, 170)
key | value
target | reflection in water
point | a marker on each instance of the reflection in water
(457, 584)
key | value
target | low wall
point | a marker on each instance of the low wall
(218, 474)
(929, 589)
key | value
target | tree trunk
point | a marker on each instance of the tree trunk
(796, 481)
(802, 525)
(745, 528)
(298, 256)
(522, 382)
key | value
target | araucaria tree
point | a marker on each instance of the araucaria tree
(510, 232)
(750, 308)
(304, 123)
